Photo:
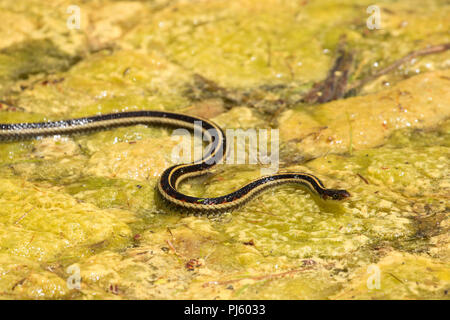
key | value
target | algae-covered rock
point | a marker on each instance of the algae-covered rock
(42, 223)
(28, 58)
(400, 276)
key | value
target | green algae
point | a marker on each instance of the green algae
(90, 200)
(242, 40)
(28, 235)
(403, 276)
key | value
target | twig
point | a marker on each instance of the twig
(173, 248)
(362, 178)
(19, 283)
(23, 216)
(263, 277)
(269, 54)
(334, 86)
(170, 231)
(395, 277)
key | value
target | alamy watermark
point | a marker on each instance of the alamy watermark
(374, 279)
(74, 20)
(74, 280)
(249, 146)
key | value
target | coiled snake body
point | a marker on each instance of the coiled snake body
(171, 177)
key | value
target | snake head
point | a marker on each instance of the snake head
(335, 194)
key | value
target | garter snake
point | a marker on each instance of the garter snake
(172, 176)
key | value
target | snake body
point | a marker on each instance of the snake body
(172, 176)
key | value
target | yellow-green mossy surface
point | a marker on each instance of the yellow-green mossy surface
(86, 205)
